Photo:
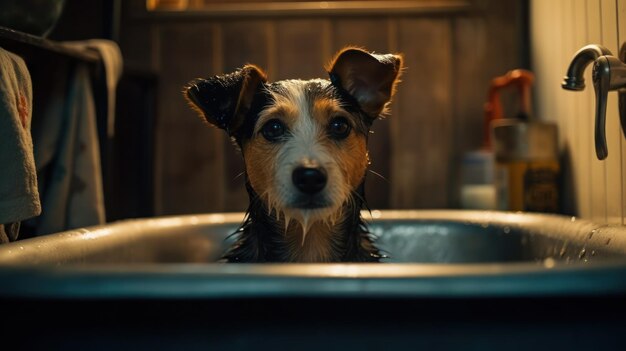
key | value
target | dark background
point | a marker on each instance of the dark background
(164, 160)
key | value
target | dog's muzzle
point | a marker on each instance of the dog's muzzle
(309, 180)
(310, 183)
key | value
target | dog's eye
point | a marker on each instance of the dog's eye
(339, 128)
(273, 130)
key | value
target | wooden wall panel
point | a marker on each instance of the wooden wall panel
(567, 126)
(422, 129)
(598, 168)
(302, 48)
(190, 153)
(582, 142)
(613, 132)
(594, 168)
(138, 44)
(245, 41)
(621, 36)
(369, 33)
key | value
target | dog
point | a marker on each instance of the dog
(304, 145)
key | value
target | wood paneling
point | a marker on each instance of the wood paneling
(189, 152)
(436, 116)
(621, 31)
(422, 127)
(138, 43)
(613, 132)
(582, 143)
(370, 33)
(244, 42)
(301, 51)
(598, 168)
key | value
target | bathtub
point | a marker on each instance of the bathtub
(500, 277)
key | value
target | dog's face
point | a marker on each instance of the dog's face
(304, 142)
(307, 151)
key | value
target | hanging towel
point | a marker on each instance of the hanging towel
(19, 196)
(67, 145)
(67, 152)
(113, 62)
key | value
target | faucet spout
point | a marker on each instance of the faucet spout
(574, 79)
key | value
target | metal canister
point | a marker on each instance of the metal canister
(527, 169)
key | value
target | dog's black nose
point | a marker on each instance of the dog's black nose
(309, 180)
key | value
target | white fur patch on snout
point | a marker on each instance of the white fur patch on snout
(307, 145)
(305, 148)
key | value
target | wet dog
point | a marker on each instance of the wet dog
(304, 143)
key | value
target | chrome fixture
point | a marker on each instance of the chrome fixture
(609, 73)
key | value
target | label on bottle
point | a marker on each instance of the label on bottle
(541, 193)
(527, 186)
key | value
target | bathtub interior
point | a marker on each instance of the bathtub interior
(428, 237)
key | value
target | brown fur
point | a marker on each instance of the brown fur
(327, 226)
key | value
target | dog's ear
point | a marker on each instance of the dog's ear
(369, 78)
(224, 100)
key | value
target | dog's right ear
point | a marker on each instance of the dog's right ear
(370, 78)
(224, 100)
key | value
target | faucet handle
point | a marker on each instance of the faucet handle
(601, 74)
(609, 73)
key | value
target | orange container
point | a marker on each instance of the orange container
(527, 170)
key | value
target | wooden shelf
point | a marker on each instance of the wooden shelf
(310, 8)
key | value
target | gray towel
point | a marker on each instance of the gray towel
(67, 154)
(19, 197)
(113, 62)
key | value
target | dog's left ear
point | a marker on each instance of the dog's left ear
(369, 78)
(224, 100)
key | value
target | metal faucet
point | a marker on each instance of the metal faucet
(608, 73)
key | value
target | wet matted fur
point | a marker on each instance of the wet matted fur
(304, 144)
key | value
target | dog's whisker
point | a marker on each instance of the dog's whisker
(239, 175)
(378, 175)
